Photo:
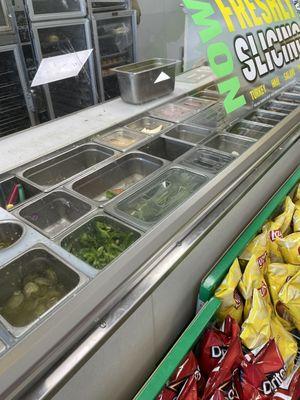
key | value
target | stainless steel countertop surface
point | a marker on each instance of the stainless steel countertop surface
(28, 145)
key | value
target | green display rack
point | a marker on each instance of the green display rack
(191, 335)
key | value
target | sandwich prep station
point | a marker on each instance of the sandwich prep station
(126, 222)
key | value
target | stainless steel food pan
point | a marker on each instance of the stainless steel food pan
(149, 126)
(229, 144)
(53, 213)
(12, 276)
(6, 187)
(148, 80)
(61, 167)
(10, 234)
(166, 149)
(253, 130)
(265, 117)
(279, 106)
(117, 177)
(188, 133)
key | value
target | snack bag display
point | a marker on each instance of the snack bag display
(289, 296)
(186, 382)
(290, 248)
(214, 345)
(253, 278)
(227, 293)
(258, 245)
(296, 217)
(290, 387)
(222, 374)
(278, 228)
(277, 275)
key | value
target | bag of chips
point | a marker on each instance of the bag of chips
(253, 278)
(290, 248)
(214, 345)
(222, 374)
(263, 325)
(296, 217)
(227, 293)
(289, 296)
(259, 245)
(278, 228)
(264, 371)
(277, 275)
(186, 383)
(290, 388)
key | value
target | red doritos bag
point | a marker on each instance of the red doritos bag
(290, 388)
(228, 391)
(214, 345)
(223, 372)
(262, 372)
(186, 383)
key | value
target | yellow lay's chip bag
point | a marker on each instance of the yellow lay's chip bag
(290, 248)
(296, 217)
(278, 228)
(277, 275)
(263, 325)
(232, 303)
(253, 278)
(289, 295)
(257, 246)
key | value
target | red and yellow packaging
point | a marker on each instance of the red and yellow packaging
(289, 296)
(289, 247)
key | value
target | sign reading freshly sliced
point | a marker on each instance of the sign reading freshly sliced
(252, 46)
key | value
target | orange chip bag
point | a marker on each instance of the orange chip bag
(227, 292)
(277, 275)
(290, 248)
(253, 278)
(278, 228)
(289, 295)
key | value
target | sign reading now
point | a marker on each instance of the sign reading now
(57, 68)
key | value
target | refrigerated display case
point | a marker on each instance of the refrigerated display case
(115, 40)
(43, 10)
(15, 106)
(140, 296)
(107, 5)
(62, 37)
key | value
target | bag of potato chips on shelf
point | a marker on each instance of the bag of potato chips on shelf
(277, 275)
(289, 296)
(278, 228)
(253, 278)
(227, 293)
(259, 245)
(290, 248)
(296, 216)
(263, 325)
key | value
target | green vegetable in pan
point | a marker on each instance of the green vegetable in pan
(99, 243)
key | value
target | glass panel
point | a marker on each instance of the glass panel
(3, 21)
(13, 110)
(55, 6)
(115, 38)
(71, 94)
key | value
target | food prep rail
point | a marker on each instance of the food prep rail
(242, 160)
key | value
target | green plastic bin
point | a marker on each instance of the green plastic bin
(209, 304)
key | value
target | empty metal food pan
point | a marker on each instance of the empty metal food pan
(289, 97)
(115, 178)
(148, 80)
(149, 126)
(212, 117)
(265, 117)
(195, 103)
(172, 112)
(60, 168)
(85, 251)
(54, 213)
(7, 186)
(188, 133)
(249, 129)
(10, 234)
(121, 139)
(207, 160)
(229, 144)
(279, 106)
(19, 310)
(165, 148)
(155, 200)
